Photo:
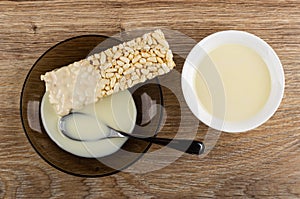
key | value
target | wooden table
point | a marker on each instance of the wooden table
(262, 163)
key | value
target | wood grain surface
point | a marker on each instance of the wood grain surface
(262, 163)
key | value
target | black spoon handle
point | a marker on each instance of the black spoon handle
(187, 146)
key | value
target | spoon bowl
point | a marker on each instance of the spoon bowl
(79, 131)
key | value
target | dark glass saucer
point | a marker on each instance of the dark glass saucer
(62, 54)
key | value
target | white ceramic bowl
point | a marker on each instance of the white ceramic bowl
(233, 37)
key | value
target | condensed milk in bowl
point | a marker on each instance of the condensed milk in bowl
(233, 81)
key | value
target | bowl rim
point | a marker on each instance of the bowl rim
(40, 154)
(219, 38)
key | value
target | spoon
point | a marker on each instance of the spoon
(187, 146)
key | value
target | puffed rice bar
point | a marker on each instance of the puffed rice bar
(102, 74)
